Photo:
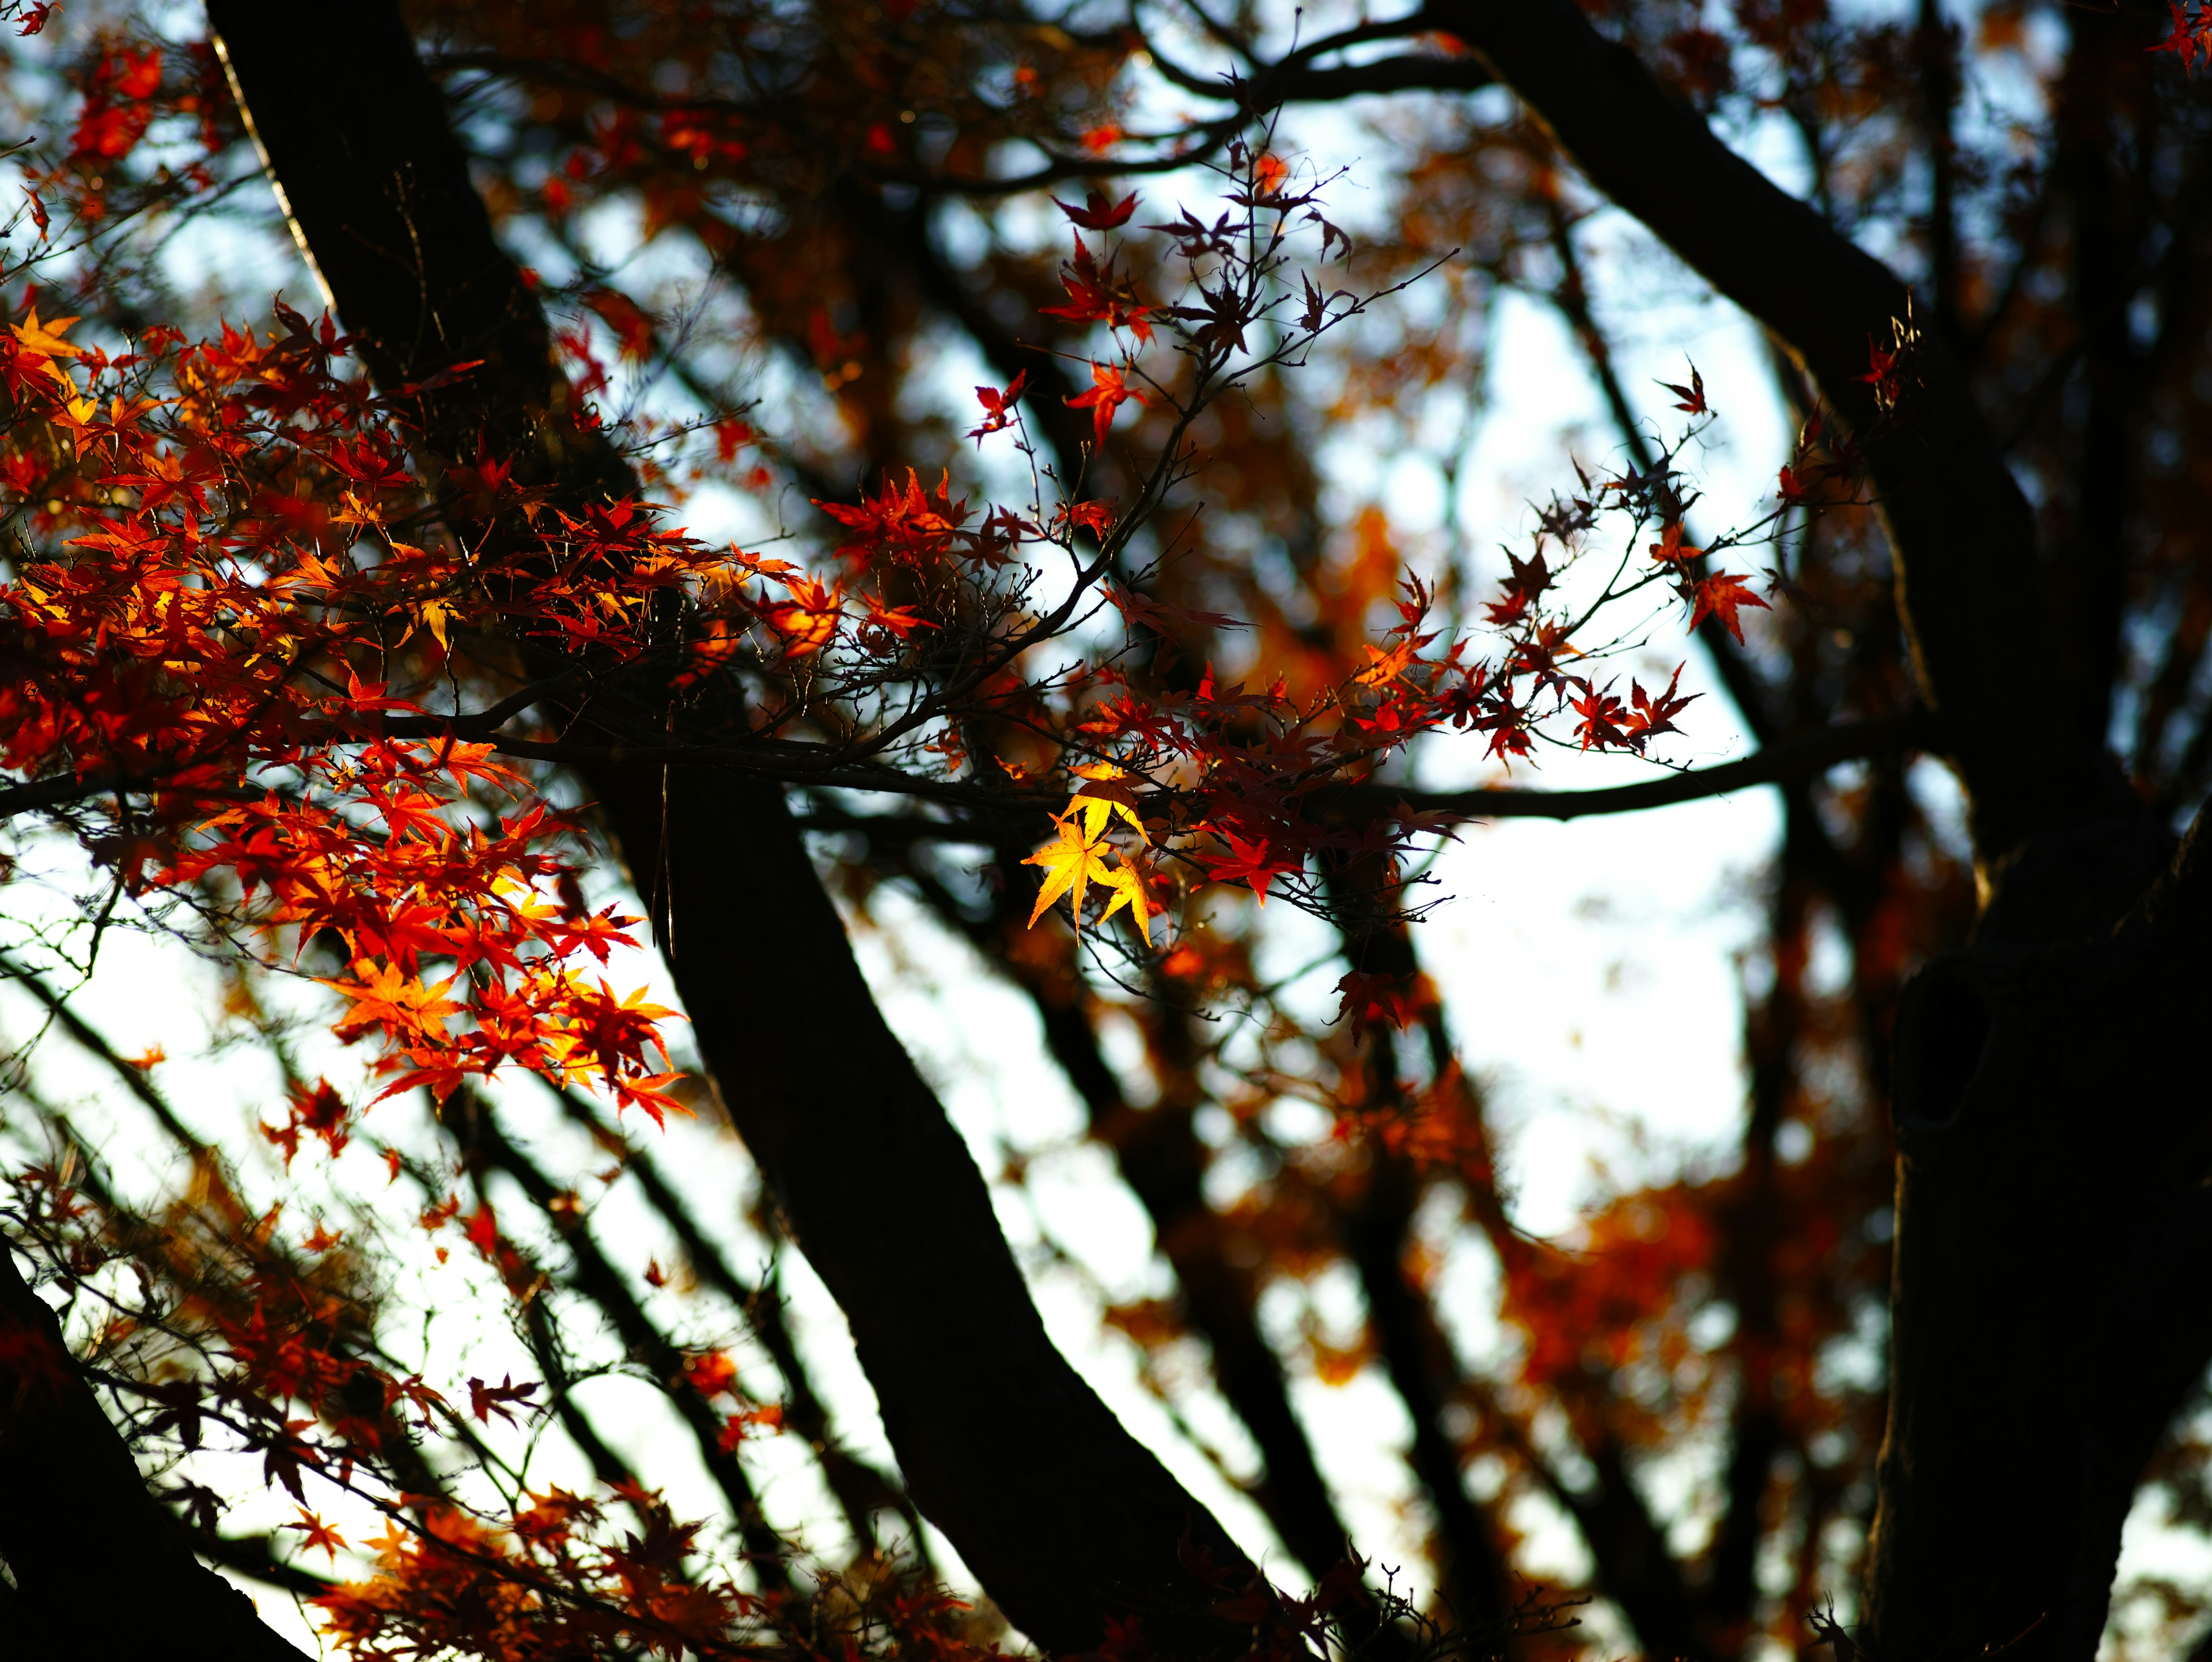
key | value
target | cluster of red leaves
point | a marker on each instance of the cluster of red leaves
(199, 643)
(2192, 35)
(132, 91)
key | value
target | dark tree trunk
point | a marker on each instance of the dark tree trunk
(77, 1512)
(1065, 1517)
(2054, 1106)
(2050, 1305)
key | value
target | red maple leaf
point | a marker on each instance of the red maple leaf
(1108, 393)
(316, 1533)
(1652, 715)
(1692, 396)
(1602, 714)
(1377, 998)
(2191, 35)
(484, 1400)
(1719, 596)
(710, 1372)
(1671, 550)
(1100, 213)
(1248, 862)
(1097, 293)
(998, 406)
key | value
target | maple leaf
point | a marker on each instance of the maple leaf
(1097, 293)
(318, 1109)
(1601, 714)
(1671, 550)
(738, 1427)
(1692, 396)
(370, 696)
(317, 1533)
(1655, 714)
(1127, 883)
(1070, 864)
(1102, 796)
(1108, 393)
(1719, 596)
(1248, 862)
(46, 338)
(1100, 213)
(484, 1400)
(808, 621)
(632, 327)
(1377, 997)
(1195, 239)
(2189, 36)
(998, 406)
(384, 995)
(1529, 579)
(900, 621)
(1162, 618)
(321, 1240)
(648, 1094)
(1381, 666)
(710, 1372)
(1095, 517)
(482, 1230)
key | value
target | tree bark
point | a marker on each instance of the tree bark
(2048, 1304)
(1065, 1517)
(76, 1511)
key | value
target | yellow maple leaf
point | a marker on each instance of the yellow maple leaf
(1070, 865)
(433, 615)
(1104, 798)
(45, 337)
(1127, 884)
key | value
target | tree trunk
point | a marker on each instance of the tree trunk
(1064, 1516)
(76, 1511)
(2049, 1302)
(2051, 1307)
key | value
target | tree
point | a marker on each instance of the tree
(2053, 339)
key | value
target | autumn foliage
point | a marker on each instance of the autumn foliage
(1083, 667)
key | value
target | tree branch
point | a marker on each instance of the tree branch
(1788, 760)
(1963, 533)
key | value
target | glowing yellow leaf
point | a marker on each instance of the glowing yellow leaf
(1127, 884)
(1070, 865)
(1104, 798)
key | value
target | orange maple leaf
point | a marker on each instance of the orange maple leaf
(46, 338)
(317, 1533)
(1108, 393)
